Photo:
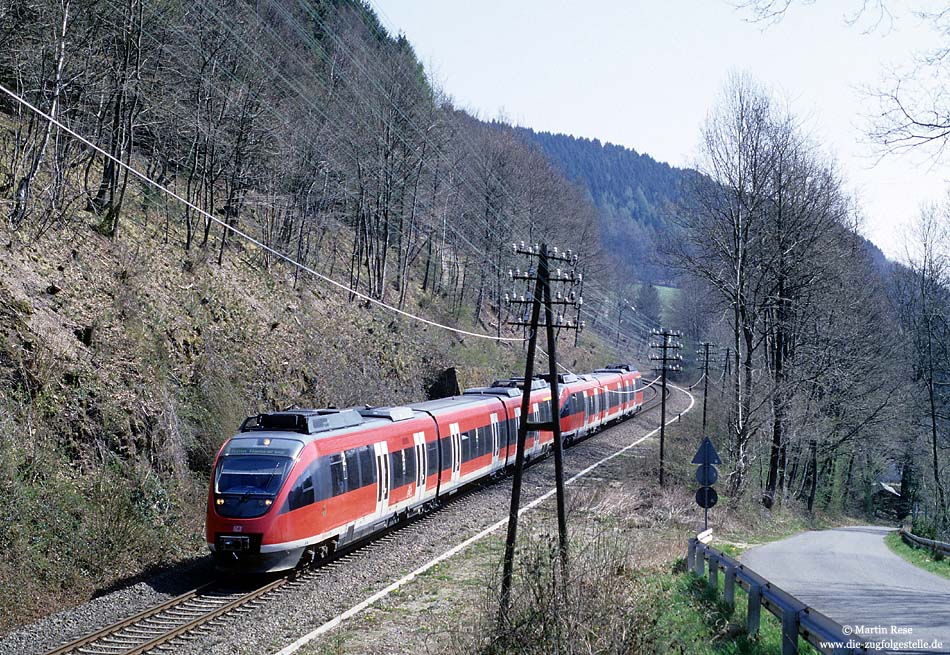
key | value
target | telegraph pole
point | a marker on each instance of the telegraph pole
(621, 305)
(667, 348)
(580, 302)
(543, 276)
(705, 352)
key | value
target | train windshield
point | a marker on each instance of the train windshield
(251, 475)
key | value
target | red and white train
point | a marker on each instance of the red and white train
(292, 486)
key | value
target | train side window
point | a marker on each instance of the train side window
(397, 467)
(409, 457)
(323, 488)
(466, 439)
(337, 474)
(353, 470)
(302, 493)
(367, 465)
(432, 458)
(476, 443)
(446, 445)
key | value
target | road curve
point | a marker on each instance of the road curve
(851, 575)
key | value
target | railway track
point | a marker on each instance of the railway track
(161, 627)
(167, 626)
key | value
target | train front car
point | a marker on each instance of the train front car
(249, 475)
(293, 485)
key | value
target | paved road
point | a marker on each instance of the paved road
(852, 576)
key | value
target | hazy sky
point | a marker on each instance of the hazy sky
(644, 74)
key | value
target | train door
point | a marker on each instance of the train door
(419, 441)
(535, 434)
(494, 441)
(381, 451)
(513, 429)
(585, 428)
(456, 452)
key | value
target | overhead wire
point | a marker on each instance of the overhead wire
(299, 91)
(322, 112)
(504, 189)
(243, 235)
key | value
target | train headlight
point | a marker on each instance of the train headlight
(219, 501)
(268, 502)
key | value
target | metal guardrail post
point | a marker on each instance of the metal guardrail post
(935, 547)
(790, 632)
(754, 613)
(729, 586)
(691, 554)
(797, 619)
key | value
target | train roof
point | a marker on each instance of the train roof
(314, 424)
(448, 403)
(302, 421)
(506, 392)
(617, 368)
(562, 378)
(518, 383)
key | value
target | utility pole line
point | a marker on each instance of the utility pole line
(621, 305)
(667, 349)
(543, 277)
(705, 346)
(580, 294)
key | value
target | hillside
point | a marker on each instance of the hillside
(636, 196)
(138, 331)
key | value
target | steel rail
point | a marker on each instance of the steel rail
(149, 642)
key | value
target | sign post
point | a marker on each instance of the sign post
(706, 475)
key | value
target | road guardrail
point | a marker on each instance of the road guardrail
(797, 618)
(936, 546)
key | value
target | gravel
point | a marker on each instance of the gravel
(304, 605)
(52, 631)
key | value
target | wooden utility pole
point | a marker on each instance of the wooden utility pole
(667, 349)
(543, 276)
(705, 346)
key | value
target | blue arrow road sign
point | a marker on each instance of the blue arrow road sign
(706, 454)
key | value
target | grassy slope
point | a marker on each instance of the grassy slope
(920, 557)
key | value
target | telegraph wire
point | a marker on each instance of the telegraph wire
(243, 235)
